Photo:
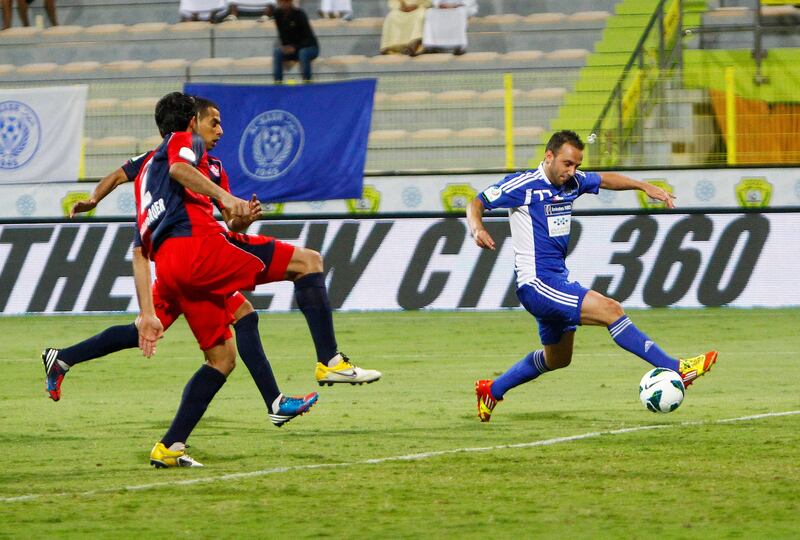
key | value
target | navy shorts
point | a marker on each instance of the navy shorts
(556, 304)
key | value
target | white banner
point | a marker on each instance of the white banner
(40, 133)
(711, 188)
(690, 260)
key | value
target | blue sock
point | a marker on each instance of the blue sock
(523, 371)
(633, 340)
(112, 339)
(248, 343)
(312, 299)
(199, 392)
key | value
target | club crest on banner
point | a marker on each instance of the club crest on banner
(20, 133)
(271, 144)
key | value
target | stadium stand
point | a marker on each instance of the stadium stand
(564, 58)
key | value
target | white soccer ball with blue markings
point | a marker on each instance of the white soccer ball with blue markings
(661, 390)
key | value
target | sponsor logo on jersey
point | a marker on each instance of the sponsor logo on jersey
(654, 204)
(271, 145)
(753, 192)
(369, 203)
(553, 209)
(559, 225)
(20, 134)
(456, 197)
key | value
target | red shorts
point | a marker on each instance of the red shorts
(197, 275)
(168, 312)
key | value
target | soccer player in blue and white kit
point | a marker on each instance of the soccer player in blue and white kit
(539, 204)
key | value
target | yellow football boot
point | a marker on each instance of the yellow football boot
(162, 457)
(344, 372)
(692, 368)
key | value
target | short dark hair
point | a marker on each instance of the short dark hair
(174, 112)
(201, 105)
(560, 138)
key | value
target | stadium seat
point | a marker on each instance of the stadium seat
(503, 19)
(586, 16)
(523, 56)
(149, 143)
(346, 59)
(542, 94)
(456, 96)
(387, 135)
(99, 30)
(101, 105)
(433, 59)
(388, 59)
(480, 134)
(148, 28)
(20, 31)
(477, 57)
(432, 134)
(144, 105)
(61, 32)
(528, 133)
(82, 68)
(37, 68)
(210, 66)
(544, 18)
(417, 96)
(122, 66)
(567, 54)
(366, 22)
(498, 94)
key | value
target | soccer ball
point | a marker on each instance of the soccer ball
(661, 390)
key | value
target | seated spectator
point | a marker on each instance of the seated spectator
(446, 25)
(22, 10)
(334, 9)
(265, 7)
(200, 10)
(297, 40)
(402, 28)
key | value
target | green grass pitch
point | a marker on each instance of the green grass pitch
(79, 467)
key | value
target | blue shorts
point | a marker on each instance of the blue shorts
(556, 304)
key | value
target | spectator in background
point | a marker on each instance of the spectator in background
(297, 40)
(402, 28)
(200, 10)
(334, 9)
(265, 7)
(446, 25)
(22, 9)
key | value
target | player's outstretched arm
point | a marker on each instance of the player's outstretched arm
(620, 182)
(149, 326)
(240, 224)
(192, 179)
(106, 185)
(479, 233)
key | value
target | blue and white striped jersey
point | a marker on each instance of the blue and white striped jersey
(540, 214)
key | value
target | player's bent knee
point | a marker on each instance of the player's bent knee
(614, 309)
(243, 311)
(557, 362)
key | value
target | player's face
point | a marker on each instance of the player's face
(209, 127)
(561, 167)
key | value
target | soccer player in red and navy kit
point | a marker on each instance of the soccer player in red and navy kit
(115, 338)
(539, 204)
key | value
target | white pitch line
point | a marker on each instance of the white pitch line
(373, 461)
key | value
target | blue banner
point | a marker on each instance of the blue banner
(293, 143)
